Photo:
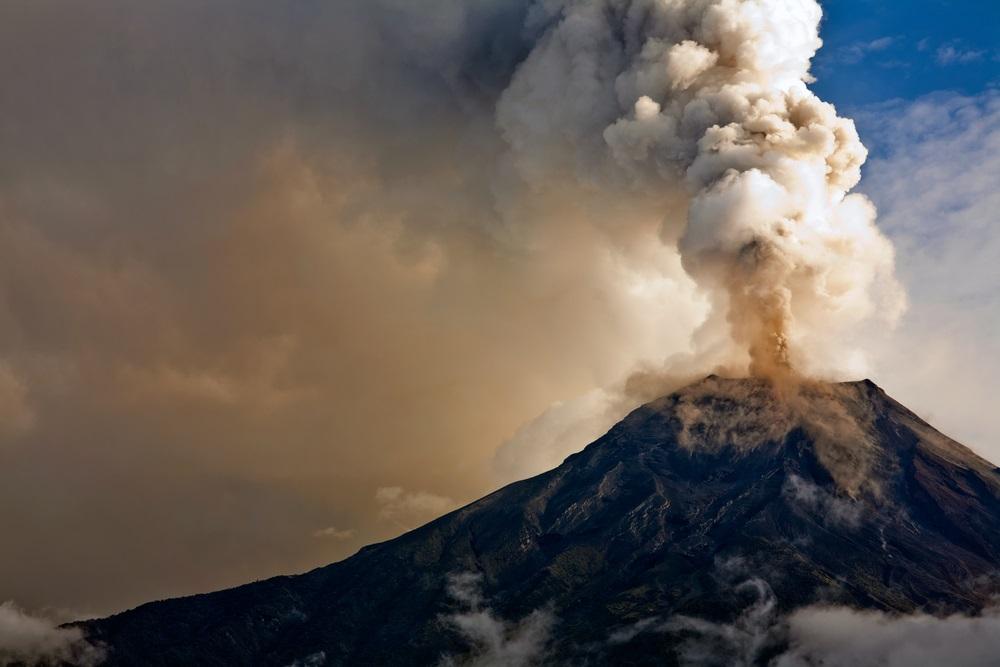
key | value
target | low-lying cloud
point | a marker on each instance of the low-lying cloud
(841, 637)
(832, 636)
(494, 641)
(821, 503)
(37, 641)
(703, 643)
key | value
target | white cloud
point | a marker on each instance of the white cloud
(827, 636)
(334, 533)
(32, 640)
(495, 642)
(841, 637)
(814, 499)
(858, 51)
(950, 54)
(410, 508)
(935, 185)
(704, 643)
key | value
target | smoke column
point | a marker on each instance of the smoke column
(708, 100)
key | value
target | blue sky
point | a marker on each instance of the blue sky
(877, 50)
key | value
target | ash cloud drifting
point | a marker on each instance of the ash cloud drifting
(267, 258)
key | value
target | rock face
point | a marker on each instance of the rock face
(691, 507)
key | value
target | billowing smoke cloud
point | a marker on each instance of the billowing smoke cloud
(704, 105)
(495, 642)
(32, 640)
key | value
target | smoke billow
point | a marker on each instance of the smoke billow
(704, 104)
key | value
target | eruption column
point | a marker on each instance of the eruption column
(709, 99)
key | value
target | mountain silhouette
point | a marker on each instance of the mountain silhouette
(727, 498)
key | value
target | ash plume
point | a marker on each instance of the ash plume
(704, 105)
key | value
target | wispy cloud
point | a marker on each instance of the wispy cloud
(334, 533)
(494, 641)
(703, 642)
(410, 508)
(952, 54)
(33, 640)
(833, 636)
(817, 501)
(317, 659)
(842, 637)
(858, 51)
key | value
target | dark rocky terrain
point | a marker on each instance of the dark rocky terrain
(697, 504)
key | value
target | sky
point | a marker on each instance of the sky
(876, 51)
(273, 285)
(921, 81)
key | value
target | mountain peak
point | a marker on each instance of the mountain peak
(848, 425)
(744, 414)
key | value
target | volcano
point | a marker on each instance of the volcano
(728, 495)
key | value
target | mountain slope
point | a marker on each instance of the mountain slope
(818, 492)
